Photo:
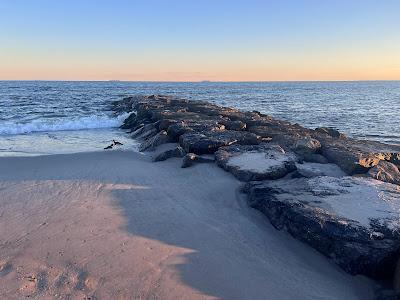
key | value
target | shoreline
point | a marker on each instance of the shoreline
(114, 224)
(143, 224)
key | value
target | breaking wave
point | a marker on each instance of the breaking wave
(41, 125)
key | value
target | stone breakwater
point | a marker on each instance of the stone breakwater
(338, 194)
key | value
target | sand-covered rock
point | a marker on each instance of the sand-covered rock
(354, 221)
(256, 162)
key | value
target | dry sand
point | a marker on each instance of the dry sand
(113, 225)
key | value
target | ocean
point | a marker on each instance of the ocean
(54, 117)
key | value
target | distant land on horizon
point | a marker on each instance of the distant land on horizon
(198, 81)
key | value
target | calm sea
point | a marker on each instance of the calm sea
(39, 117)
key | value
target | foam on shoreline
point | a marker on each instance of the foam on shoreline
(63, 124)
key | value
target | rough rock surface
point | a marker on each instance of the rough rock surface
(170, 153)
(354, 221)
(386, 171)
(157, 140)
(191, 158)
(180, 116)
(308, 144)
(330, 131)
(257, 162)
(316, 169)
(180, 128)
(209, 142)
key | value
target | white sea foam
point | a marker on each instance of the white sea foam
(89, 122)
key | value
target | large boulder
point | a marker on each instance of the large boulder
(169, 153)
(209, 142)
(316, 169)
(130, 122)
(352, 220)
(191, 158)
(152, 142)
(357, 156)
(182, 127)
(144, 132)
(386, 171)
(233, 125)
(308, 145)
(330, 131)
(257, 162)
(127, 104)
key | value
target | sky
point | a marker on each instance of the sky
(217, 40)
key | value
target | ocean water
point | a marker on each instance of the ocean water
(41, 117)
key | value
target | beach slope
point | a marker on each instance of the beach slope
(114, 225)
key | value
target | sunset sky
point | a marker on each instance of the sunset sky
(221, 40)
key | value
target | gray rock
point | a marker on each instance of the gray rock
(180, 128)
(256, 162)
(234, 125)
(385, 171)
(146, 131)
(167, 154)
(312, 158)
(181, 117)
(191, 158)
(330, 131)
(308, 145)
(130, 121)
(157, 140)
(354, 221)
(315, 169)
(209, 142)
(165, 123)
(125, 105)
(357, 156)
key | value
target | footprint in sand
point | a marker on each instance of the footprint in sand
(39, 280)
(5, 268)
(34, 284)
(75, 282)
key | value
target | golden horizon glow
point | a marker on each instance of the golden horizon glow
(339, 68)
(249, 41)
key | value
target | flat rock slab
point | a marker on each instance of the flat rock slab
(353, 220)
(256, 162)
(357, 156)
(316, 169)
(209, 142)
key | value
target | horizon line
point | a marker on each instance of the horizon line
(197, 81)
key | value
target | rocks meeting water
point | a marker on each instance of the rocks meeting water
(336, 193)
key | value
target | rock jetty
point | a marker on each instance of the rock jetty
(337, 194)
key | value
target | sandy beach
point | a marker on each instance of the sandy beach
(114, 225)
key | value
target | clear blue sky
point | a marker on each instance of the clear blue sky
(195, 40)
